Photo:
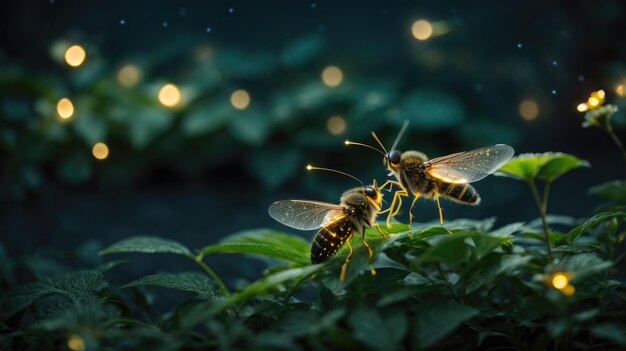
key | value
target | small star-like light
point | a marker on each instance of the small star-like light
(100, 151)
(422, 29)
(122, 21)
(332, 76)
(169, 95)
(519, 45)
(528, 109)
(75, 55)
(165, 24)
(336, 125)
(240, 99)
(555, 63)
(65, 108)
(553, 92)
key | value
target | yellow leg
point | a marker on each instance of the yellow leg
(396, 197)
(391, 183)
(377, 226)
(342, 276)
(372, 270)
(391, 207)
(417, 196)
(439, 206)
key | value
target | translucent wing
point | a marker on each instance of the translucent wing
(305, 214)
(469, 166)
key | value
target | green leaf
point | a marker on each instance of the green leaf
(74, 285)
(375, 331)
(430, 110)
(614, 191)
(146, 124)
(610, 331)
(451, 250)
(147, 244)
(436, 320)
(187, 281)
(263, 285)
(207, 118)
(584, 265)
(265, 243)
(558, 165)
(546, 166)
(573, 234)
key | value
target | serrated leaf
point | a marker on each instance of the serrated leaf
(545, 166)
(436, 320)
(147, 244)
(265, 243)
(573, 234)
(263, 285)
(187, 281)
(451, 250)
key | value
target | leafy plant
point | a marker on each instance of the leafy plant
(546, 167)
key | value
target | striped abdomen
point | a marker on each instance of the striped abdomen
(329, 239)
(463, 193)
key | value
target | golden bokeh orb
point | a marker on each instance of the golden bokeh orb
(332, 76)
(65, 108)
(170, 95)
(620, 90)
(560, 281)
(100, 151)
(582, 107)
(422, 29)
(128, 75)
(240, 99)
(75, 55)
(336, 125)
(75, 343)
(528, 109)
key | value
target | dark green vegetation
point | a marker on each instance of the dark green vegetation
(481, 286)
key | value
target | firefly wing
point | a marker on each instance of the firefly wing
(469, 166)
(305, 214)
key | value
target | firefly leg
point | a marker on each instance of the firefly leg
(369, 249)
(397, 195)
(439, 206)
(391, 207)
(342, 276)
(417, 196)
(391, 183)
(377, 226)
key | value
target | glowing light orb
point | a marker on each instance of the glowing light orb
(422, 29)
(65, 108)
(100, 151)
(332, 76)
(336, 125)
(560, 281)
(240, 99)
(620, 90)
(75, 55)
(128, 75)
(75, 343)
(169, 95)
(582, 107)
(528, 109)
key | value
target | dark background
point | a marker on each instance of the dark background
(199, 186)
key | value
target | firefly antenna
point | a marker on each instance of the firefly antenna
(311, 168)
(404, 126)
(348, 142)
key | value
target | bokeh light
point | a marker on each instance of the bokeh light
(620, 90)
(336, 125)
(169, 95)
(528, 109)
(75, 55)
(100, 151)
(65, 108)
(75, 343)
(569, 290)
(332, 76)
(582, 107)
(422, 29)
(560, 281)
(128, 75)
(240, 99)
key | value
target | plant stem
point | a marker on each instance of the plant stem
(542, 214)
(546, 192)
(216, 278)
(616, 141)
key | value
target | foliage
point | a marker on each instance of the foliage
(470, 285)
